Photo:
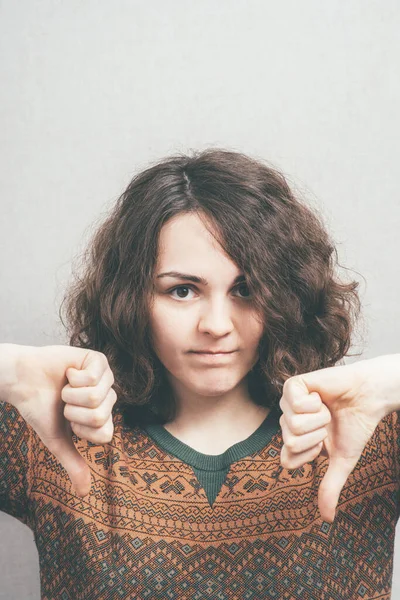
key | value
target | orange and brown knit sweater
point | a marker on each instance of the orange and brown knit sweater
(165, 521)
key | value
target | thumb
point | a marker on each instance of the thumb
(78, 471)
(331, 486)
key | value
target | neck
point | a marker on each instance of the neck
(214, 423)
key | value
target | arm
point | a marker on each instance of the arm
(336, 410)
(59, 390)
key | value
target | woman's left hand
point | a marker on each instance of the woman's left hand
(336, 410)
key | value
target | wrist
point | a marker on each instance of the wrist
(391, 394)
(12, 359)
(382, 378)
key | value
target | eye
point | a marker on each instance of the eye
(181, 291)
(244, 290)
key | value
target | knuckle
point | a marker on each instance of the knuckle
(91, 378)
(104, 435)
(297, 426)
(288, 385)
(97, 419)
(94, 399)
(290, 444)
(297, 405)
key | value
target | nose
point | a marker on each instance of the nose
(215, 318)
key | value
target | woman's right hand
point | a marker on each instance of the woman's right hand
(59, 390)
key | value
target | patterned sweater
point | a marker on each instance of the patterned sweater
(165, 521)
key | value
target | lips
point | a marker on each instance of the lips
(213, 351)
(214, 359)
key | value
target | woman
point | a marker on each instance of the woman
(207, 289)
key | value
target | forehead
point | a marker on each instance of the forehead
(186, 243)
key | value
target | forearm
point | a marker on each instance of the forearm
(8, 370)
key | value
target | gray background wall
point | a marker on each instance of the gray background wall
(92, 91)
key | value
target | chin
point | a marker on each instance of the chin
(212, 392)
(214, 388)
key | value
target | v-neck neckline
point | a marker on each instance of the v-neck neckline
(216, 462)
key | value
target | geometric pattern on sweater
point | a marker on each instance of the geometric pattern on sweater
(147, 530)
(211, 470)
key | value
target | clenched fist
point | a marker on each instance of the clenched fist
(336, 410)
(59, 390)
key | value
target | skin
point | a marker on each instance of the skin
(342, 406)
(215, 409)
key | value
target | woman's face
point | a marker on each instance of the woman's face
(199, 306)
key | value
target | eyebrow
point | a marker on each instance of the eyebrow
(194, 278)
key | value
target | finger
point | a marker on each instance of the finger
(332, 485)
(331, 383)
(300, 443)
(295, 402)
(297, 444)
(93, 367)
(89, 396)
(290, 461)
(103, 435)
(300, 424)
(78, 471)
(91, 417)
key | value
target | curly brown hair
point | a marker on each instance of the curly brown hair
(279, 243)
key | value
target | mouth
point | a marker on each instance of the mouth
(211, 353)
(216, 358)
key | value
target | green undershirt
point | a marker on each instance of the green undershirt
(211, 469)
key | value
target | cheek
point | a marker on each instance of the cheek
(252, 330)
(164, 338)
(164, 328)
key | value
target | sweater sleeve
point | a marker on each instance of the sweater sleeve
(395, 429)
(396, 416)
(15, 463)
